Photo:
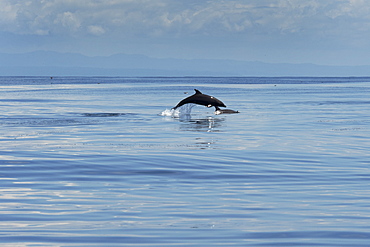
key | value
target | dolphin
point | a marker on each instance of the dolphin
(224, 111)
(201, 99)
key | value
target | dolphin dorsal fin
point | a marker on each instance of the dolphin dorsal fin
(197, 91)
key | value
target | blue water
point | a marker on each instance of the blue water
(91, 161)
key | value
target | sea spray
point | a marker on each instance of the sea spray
(181, 112)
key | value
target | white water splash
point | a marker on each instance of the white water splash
(180, 112)
(170, 113)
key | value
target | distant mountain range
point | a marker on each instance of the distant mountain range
(47, 63)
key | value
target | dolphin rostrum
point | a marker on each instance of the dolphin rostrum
(201, 99)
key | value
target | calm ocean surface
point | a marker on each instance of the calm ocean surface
(90, 161)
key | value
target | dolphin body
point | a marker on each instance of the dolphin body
(201, 99)
(224, 111)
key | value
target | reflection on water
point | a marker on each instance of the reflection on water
(94, 165)
(194, 121)
(208, 124)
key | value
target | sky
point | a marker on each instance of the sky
(325, 32)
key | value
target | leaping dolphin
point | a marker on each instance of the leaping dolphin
(201, 99)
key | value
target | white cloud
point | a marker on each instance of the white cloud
(96, 30)
(153, 24)
(8, 12)
(68, 20)
(144, 17)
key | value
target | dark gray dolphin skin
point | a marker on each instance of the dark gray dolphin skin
(201, 99)
(224, 111)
